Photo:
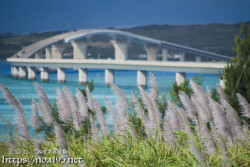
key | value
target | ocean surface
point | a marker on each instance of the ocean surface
(126, 80)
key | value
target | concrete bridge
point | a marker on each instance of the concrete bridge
(48, 54)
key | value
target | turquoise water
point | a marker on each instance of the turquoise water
(126, 80)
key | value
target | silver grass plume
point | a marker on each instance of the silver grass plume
(90, 99)
(207, 138)
(232, 127)
(205, 133)
(154, 88)
(221, 92)
(138, 109)
(200, 94)
(122, 106)
(209, 94)
(233, 118)
(113, 116)
(154, 97)
(15, 103)
(203, 116)
(199, 156)
(44, 108)
(191, 111)
(191, 139)
(74, 108)
(63, 106)
(46, 112)
(12, 144)
(22, 126)
(140, 113)
(60, 136)
(47, 117)
(35, 121)
(124, 119)
(168, 133)
(173, 120)
(204, 113)
(245, 106)
(93, 129)
(11, 99)
(220, 120)
(152, 122)
(186, 101)
(43, 96)
(173, 117)
(121, 96)
(186, 123)
(82, 104)
(100, 118)
(110, 110)
(158, 115)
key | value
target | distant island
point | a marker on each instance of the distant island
(217, 38)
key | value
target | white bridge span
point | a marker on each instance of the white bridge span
(30, 58)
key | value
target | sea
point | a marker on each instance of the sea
(126, 80)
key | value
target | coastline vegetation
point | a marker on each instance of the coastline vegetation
(148, 131)
(237, 72)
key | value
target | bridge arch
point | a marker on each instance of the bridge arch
(119, 39)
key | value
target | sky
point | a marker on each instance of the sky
(23, 16)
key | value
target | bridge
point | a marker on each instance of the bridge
(160, 56)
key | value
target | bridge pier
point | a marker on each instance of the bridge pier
(56, 51)
(121, 50)
(142, 78)
(15, 71)
(12, 71)
(48, 53)
(22, 73)
(164, 54)
(79, 50)
(38, 55)
(83, 76)
(109, 77)
(151, 53)
(182, 57)
(61, 77)
(44, 74)
(31, 73)
(180, 77)
(198, 58)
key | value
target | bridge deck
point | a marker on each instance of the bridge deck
(193, 67)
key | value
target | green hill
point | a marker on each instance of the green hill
(12, 43)
(218, 38)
